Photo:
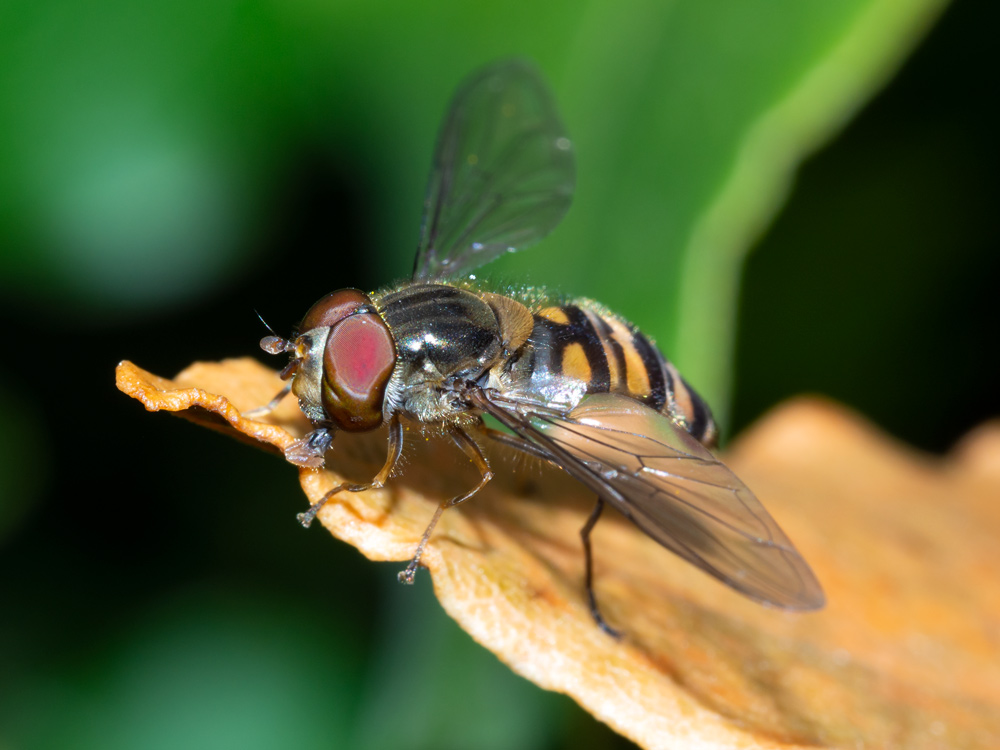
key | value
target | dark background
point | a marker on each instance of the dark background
(893, 311)
(137, 604)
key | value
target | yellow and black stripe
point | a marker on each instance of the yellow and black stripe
(585, 342)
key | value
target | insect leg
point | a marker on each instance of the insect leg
(260, 411)
(530, 448)
(395, 450)
(467, 444)
(588, 558)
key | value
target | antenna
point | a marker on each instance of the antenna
(273, 344)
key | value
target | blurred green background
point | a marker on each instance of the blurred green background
(166, 169)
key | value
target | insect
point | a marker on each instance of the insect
(575, 384)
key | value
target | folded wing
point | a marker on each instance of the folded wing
(673, 489)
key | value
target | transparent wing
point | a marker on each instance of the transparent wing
(503, 172)
(673, 489)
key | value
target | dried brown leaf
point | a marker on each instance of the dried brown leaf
(907, 653)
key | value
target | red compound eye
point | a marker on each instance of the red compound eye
(333, 308)
(357, 363)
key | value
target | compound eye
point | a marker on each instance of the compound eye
(333, 308)
(357, 363)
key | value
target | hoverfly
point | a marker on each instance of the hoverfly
(575, 384)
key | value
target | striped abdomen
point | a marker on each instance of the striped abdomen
(582, 341)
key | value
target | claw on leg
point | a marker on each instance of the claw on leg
(306, 517)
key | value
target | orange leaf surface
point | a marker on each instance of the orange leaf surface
(906, 654)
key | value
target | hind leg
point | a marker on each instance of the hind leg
(588, 557)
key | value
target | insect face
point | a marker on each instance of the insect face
(346, 355)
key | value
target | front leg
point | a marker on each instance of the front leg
(395, 450)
